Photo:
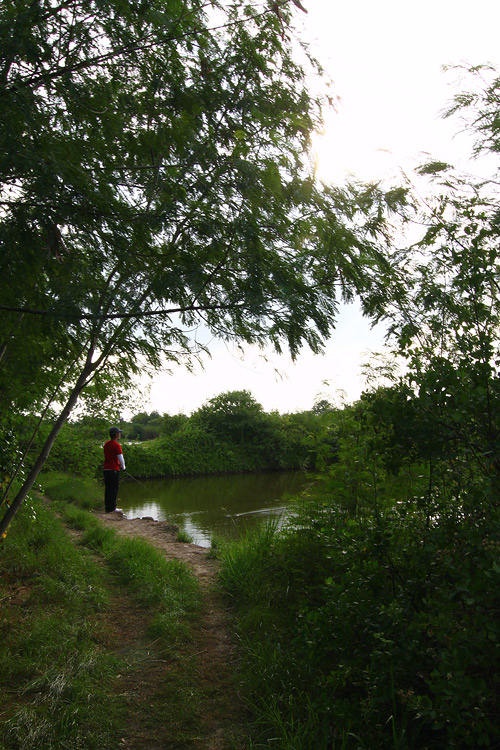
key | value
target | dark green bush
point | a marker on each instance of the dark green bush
(391, 623)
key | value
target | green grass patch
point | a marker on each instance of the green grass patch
(76, 517)
(183, 536)
(55, 681)
(153, 579)
(81, 491)
(134, 563)
(98, 537)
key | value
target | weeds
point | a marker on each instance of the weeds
(153, 579)
(183, 536)
(134, 563)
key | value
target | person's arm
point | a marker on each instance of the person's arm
(121, 461)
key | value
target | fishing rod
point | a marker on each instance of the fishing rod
(136, 480)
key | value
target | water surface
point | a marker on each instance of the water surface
(220, 506)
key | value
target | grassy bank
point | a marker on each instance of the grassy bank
(83, 493)
(61, 683)
(56, 678)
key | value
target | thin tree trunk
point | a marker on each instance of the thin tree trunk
(44, 453)
(32, 439)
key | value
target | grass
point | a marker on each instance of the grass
(83, 492)
(183, 536)
(265, 576)
(58, 683)
(55, 682)
(153, 580)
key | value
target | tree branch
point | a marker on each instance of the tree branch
(112, 316)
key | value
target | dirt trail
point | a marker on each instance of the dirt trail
(162, 535)
(221, 716)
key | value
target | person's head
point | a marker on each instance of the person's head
(114, 433)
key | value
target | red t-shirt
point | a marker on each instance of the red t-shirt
(112, 450)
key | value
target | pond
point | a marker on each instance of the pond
(212, 506)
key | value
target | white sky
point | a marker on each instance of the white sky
(385, 60)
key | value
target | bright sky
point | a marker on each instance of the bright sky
(385, 59)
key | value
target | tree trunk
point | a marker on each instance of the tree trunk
(44, 453)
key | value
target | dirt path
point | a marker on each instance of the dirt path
(163, 536)
(210, 657)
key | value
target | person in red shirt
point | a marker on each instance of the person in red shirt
(113, 462)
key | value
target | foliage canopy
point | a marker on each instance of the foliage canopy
(157, 180)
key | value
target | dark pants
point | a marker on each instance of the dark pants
(111, 479)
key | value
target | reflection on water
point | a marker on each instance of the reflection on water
(219, 506)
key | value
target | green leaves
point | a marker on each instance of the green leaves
(170, 153)
(157, 179)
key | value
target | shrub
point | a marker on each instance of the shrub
(390, 621)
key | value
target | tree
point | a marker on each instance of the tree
(144, 426)
(234, 416)
(157, 180)
(171, 423)
(447, 322)
(322, 406)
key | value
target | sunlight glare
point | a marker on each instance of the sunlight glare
(339, 156)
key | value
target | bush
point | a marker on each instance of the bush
(390, 622)
(77, 451)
